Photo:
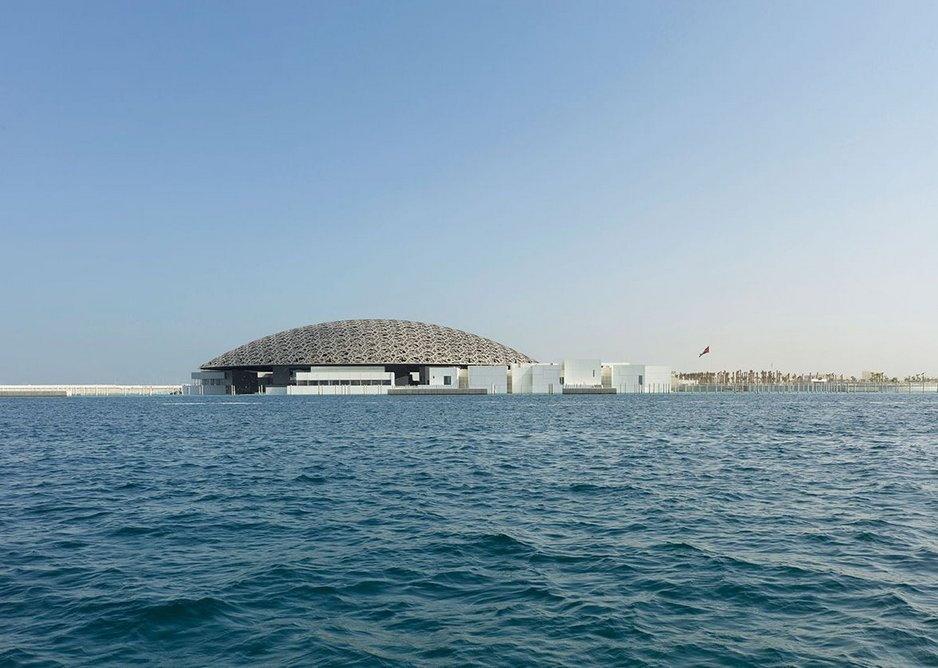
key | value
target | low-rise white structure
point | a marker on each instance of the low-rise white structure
(526, 378)
(337, 380)
(96, 390)
(582, 373)
(535, 379)
(493, 379)
(439, 376)
(627, 378)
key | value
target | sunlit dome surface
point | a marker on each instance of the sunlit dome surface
(371, 342)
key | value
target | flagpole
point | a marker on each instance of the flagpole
(710, 378)
(706, 351)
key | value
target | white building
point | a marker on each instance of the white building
(333, 380)
(582, 373)
(535, 379)
(493, 379)
(628, 378)
(439, 376)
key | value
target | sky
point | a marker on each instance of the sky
(629, 181)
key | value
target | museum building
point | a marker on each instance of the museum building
(357, 357)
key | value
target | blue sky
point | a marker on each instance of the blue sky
(624, 180)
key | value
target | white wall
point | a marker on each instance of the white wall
(344, 373)
(336, 390)
(545, 379)
(520, 378)
(625, 378)
(435, 376)
(657, 378)
(632, 378)
(582, 373)
(535, 379)
(338, 380)
(491, 378)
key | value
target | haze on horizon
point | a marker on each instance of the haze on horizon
(624, 180)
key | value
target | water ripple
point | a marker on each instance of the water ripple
(647, 531)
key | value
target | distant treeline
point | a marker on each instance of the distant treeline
(772, 377)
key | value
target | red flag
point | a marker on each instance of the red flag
(706, 350)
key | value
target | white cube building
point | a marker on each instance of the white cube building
(493, 379)
(331, 380)
(582, 373)
(627, 378)
(535, 379)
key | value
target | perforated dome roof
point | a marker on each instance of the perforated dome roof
(371, 342)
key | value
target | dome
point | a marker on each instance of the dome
(368, 342)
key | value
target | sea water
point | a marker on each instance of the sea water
(583, 530)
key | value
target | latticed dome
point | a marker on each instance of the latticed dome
(371, 342)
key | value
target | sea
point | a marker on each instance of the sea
(636, 530)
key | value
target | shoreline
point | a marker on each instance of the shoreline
(96, 390)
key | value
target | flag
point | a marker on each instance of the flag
(706, 350)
